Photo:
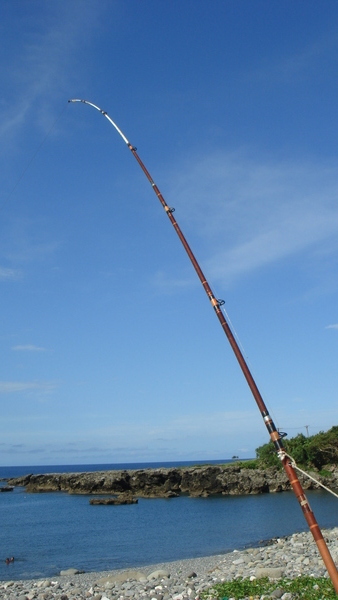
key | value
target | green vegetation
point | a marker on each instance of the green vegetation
(247, 464)
(325, 473)
(314, 451)
(307, 588)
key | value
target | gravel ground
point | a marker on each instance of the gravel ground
(184, 579)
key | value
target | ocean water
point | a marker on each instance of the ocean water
(53, 531)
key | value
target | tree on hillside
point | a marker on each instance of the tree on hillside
(266, 454)
(316, 451)
(323, 448)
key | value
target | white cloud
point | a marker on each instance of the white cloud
(192, 425)
(14, 387)
(46, 62)
(334, 326)
(249, 213)
(29, 348)
(8, 273)
(25, 241)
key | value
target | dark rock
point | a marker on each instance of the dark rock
(122, 499)
(199, 481)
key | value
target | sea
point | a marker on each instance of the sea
(49, 532)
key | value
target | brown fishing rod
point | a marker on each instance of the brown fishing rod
(275, 436)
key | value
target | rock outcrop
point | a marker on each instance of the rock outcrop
(115, 501)
(169, 482)
(6, 488)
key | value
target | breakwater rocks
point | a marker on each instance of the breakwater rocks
(184, 580)
(170, 482)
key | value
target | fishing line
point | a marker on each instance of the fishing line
(295, 466)
(234, 331)
(248, 361)
(23, 173)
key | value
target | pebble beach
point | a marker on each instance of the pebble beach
(181, 580)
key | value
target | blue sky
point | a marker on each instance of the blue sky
(110, 351)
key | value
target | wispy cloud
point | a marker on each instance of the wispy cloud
(47, 62)
(248, 213)
(29, 348)
(26, 240)
(29, 248)
(6, 273)
(165, 285)
(297, 66)
(15, 387)
(183, 426)
(334, 326)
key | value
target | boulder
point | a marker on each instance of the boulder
(159, 574)
(270, 572)
(68, 572)
(122, 577)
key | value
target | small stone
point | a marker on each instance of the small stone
(238, 561)
(277, 593)
(76, 591)
(191, 575)
(159, 574)
(271, 572)
(8, 584)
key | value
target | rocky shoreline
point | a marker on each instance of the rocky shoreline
(196, 481)
(186, 579)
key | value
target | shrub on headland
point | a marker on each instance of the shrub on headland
(314, 451)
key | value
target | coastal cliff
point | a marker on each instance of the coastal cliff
(169, 482)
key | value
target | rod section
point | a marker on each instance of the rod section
(216, 304)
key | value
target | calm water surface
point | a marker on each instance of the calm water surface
(49, 532)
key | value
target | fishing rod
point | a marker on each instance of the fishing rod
(275, 436)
